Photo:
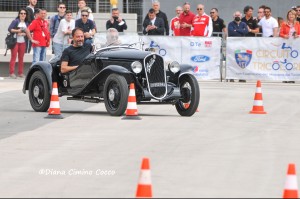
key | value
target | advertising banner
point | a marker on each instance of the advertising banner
(200, 52)
(263, 58)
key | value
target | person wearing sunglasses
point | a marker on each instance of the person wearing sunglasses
(55, 20)
(19, 27)
(87, 26)
(202, 23)
(219, 26)
(269, 24)
(82, 6)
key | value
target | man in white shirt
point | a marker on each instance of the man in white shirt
(64, 31)
(269, 24)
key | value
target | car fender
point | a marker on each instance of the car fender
(185, 69)
(129, 76)
(43, 66)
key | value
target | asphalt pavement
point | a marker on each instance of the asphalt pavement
(221, 151)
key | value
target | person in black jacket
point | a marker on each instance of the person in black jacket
(30, 10)
(160, 14)
(153, 25)
(116, 21)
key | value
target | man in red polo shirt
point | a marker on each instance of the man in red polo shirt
(186, 20)
(40, 30)
(202, 23)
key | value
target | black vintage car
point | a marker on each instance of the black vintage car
(105, 75)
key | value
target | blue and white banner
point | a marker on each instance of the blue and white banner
(263, 58)
(200, 52)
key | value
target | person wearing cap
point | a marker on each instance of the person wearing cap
(116, 21)
(153, 25)
(250, 21)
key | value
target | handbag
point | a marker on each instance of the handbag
(10, 41)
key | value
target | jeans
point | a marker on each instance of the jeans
(58, 49)
(39, 54)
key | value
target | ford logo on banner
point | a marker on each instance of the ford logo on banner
(243, 57)
(200, 58)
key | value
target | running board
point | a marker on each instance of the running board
(85, 99)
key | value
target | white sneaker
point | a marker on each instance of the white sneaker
(13, 76)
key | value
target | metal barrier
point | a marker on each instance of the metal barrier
(223, 53)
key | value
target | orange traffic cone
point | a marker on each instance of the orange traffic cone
(291, 186)
(258, 107)
(144, 187)
(131, 111)
(187, 105)
(54, 109)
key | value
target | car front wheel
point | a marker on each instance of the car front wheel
(190, 93)
(39, 95)
(115, 94)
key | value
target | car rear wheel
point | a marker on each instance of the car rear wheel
(115, 94)
(39, 95)
(190, 93)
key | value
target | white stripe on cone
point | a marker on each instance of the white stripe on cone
(54, 91)
(54, 104)
(145, 177)
(258, 103)
(131, 105)
(258, 90)
(291, 182)
(131, 92)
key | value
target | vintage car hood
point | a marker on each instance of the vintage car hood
(123, 54)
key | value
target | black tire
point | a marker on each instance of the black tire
(39, 95)
(116, 92)
(189, 89)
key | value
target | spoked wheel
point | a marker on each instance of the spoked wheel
(190, 93)
(115, 94)
(39, 95)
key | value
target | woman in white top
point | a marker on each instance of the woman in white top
(61, 39)
(19, 27)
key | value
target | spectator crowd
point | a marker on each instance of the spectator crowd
(35, 31)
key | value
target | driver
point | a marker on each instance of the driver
(75, 54)
(112, 37)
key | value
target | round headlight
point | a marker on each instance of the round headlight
(174, 67)
(136, 66)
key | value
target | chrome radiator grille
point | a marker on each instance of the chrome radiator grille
(156, 76)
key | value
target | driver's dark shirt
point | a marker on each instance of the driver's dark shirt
(75, 55)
